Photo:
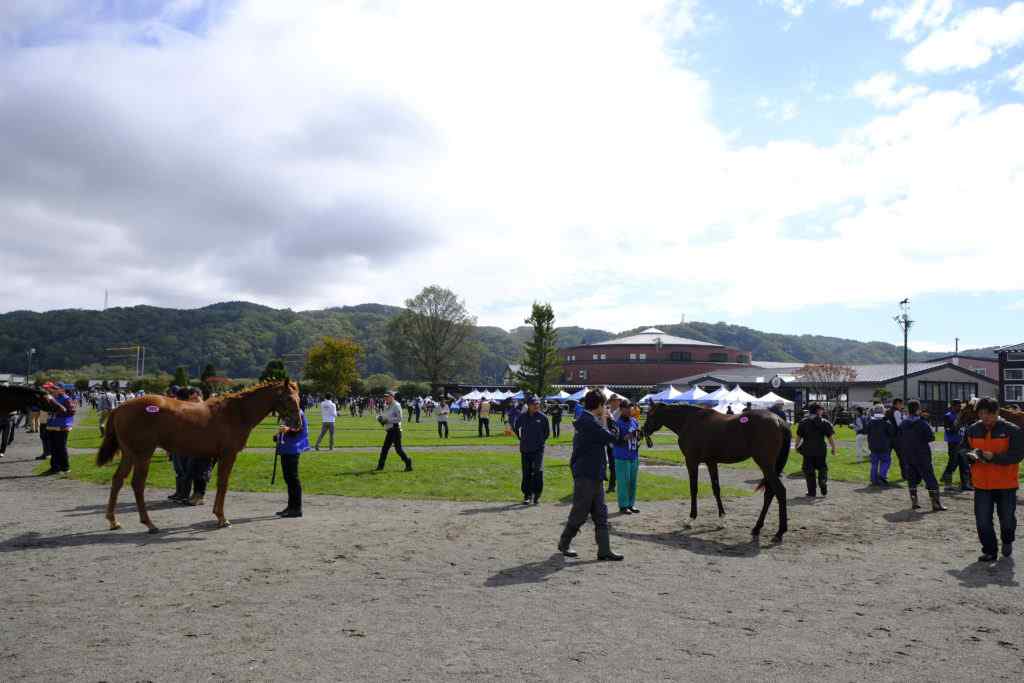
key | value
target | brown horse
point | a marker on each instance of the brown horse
(16, 398)
(706, 436)
(216, 429)
(969, 415)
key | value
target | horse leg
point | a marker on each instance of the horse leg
(691, 468)
(224, 465)
(115, 488)
(139, 487)
(780, 493)
(713, 472)
(769, 493)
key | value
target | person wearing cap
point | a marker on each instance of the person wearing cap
(810, 443)
(391, 420)
(589, 469)
(555, 411)
(532, 430)
(58, 426)
(881, 434)
(913, 439)
(951, 435)
(626, 451)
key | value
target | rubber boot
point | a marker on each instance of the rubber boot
(914, 505)
(823, 483)
(937, 505)
(812, 486)
(565, 542)
(604, 546)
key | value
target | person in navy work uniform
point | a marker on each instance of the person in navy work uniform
(291, 443)
(589, 465)
(956, 460)
(58, 426)
(532, 430)
(914, 438)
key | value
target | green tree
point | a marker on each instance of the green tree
(82, 383)
(410, 390)
(275, 370)
(181, 376)
(433, 339)
(154, 384)
(208, 372)
(541, 364)
(380, 382)
(358, 387)
(331, 364)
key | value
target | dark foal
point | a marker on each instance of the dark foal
(706, 436)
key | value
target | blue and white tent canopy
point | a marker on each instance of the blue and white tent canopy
(608, 394)
(560, 396)
(669, 395)
(695, 395)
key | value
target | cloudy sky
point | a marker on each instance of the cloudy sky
(793, 165)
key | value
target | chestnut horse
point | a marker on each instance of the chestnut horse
(216, 429)
(709, 437)
(969, 415)
(15, 399)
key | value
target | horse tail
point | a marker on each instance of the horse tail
(110, 446)
(780, 461)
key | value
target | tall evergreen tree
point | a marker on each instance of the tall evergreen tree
(275, 370)
(541, 364)
(181, 376)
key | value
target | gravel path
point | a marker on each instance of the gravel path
(395, 590)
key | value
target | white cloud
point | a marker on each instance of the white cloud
(777, 111)
(792, 7)
(345, 154)
(881, 90)
(1016, 77)
(970, 41)
(914, 17)
(849, 3)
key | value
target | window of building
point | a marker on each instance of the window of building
(632, 356)
(962, 391)
(1014, 392)
(604, 356)
(681, 355)
(595, 356)
(1015, 356)
(643, 356)
(583, 374)
(933, 391)
(980, 371)
(742, 359)
(719, 357)
(1013, 373)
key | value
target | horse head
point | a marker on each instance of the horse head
(654, 422)
(287, 404)
(968, 414)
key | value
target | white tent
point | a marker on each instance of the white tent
(518, 396)
(474, 395)
(723, 407)
(771, 398)
(560, 396)
(719, 394)
(737, 395)
(608, 394)
(646, 399)
(695, 395)
(669, 395)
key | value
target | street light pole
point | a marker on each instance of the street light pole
(905, 323)
(28, 370)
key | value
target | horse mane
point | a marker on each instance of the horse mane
(242, 393)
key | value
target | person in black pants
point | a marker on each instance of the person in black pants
(291, 443)
(556, 420)
(589, 465)
(810, 443)
(7, 423)
(58, 426)
(914, 438)
(532, 430)
(391, 420)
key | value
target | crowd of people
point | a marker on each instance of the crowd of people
(986, 454)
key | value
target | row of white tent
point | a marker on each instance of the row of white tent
(477, 395)
(721, 400)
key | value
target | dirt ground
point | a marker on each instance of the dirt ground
(394, 590)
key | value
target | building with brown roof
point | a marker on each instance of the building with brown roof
(1011, 374)
(645, 359)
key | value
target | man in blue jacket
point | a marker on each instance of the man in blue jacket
(956, 461)
(881, 434)
(913, 440)
(532, 430)
(589, 466)
(291, 443)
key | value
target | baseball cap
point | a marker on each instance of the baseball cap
(878, 410)
(533, 399)
(49, 385)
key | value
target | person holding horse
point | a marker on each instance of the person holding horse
(626, 452)
(914, 438)
(198, 467)
(58, 427)
(291, 443)
(589, 467)
(810, 443)
(614, 404)
(995, 448)
(952, 436)
(391, 420)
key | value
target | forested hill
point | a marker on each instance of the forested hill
(239, 338)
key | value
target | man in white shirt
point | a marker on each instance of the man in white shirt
(328, 413)
(391, 420)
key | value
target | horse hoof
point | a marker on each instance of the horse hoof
(153, 530)
(777, 538)
(114, 526)
(223, 523)
(755, 533)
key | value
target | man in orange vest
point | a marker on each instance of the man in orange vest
(994, 448)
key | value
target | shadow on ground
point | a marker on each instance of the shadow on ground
(687, 539)
(981, 574)
(533, 572)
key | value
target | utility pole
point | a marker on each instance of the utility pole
(905, 323)
(28, 371)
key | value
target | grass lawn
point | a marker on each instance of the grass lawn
(440, 475)
(352, 432)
